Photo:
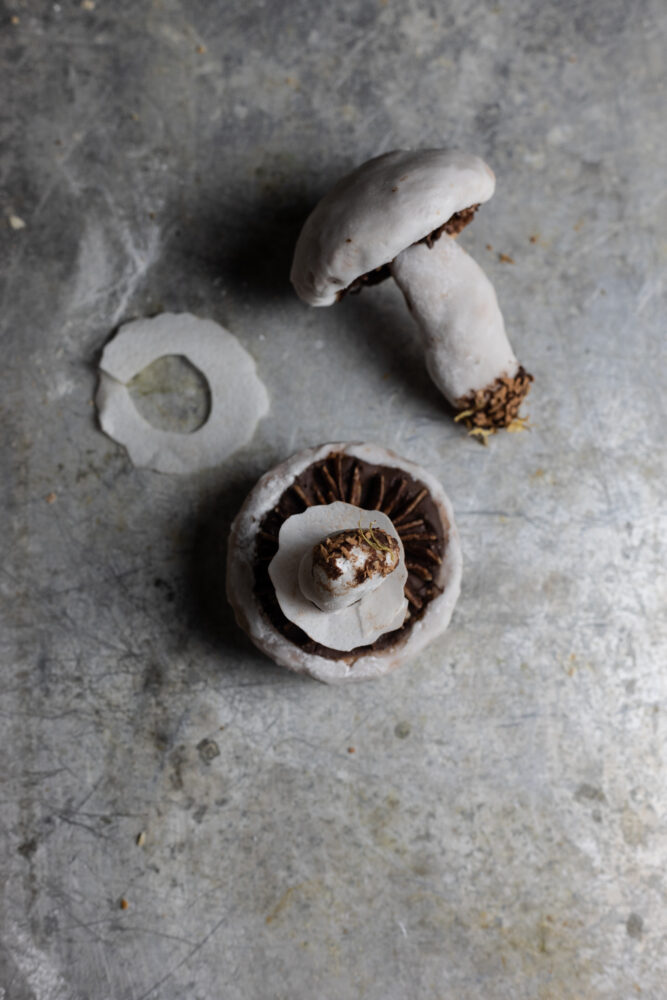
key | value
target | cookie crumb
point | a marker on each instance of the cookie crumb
(495, 406)
(208, 750)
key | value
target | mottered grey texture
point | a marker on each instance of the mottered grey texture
(488, 822)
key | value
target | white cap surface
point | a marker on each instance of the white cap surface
(378, 210)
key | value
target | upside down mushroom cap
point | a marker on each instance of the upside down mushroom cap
(380, 209)
(366, 662)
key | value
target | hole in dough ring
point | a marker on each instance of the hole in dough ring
(238, 397)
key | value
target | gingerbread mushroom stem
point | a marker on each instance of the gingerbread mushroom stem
(343, 567)
(468, 355)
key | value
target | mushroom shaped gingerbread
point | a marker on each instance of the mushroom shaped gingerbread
(344, 562)
(397, 215)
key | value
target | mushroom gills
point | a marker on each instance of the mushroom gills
(468, 354)
(454, 225)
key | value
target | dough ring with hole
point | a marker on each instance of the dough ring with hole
(238, 396)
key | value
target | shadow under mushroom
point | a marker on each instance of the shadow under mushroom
(206, 611)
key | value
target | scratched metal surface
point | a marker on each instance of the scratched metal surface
(499, 830)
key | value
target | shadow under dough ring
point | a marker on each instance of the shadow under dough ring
(238, 398)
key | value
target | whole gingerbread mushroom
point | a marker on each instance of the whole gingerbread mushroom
(371, 495)
(397, 216)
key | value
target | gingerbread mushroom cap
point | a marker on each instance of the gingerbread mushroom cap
(372, 479)
(380, 209)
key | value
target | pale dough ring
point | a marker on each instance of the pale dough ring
(238, 397)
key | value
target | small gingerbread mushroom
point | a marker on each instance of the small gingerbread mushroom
(397, 215)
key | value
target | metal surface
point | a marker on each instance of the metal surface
(486, 823)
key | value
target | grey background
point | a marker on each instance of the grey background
(499, 830)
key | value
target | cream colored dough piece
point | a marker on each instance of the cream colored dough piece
(457, 312)
(378, 610)
(378, 210)
(358, 665)
(238, 398)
